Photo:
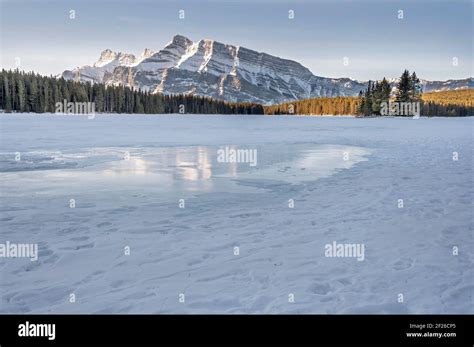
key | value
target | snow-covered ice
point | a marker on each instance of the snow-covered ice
(127, 175)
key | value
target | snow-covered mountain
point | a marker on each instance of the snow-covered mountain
(103, 69)
(439, 86)
(218, 70)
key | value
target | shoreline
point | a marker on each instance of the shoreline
(92, 116)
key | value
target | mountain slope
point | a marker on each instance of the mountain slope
(222, 71)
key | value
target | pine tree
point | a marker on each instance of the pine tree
(361, 107)
(367, 110)
(384, 93)
(404, 87)
(415, 88)
(21, 94)
(7, 95)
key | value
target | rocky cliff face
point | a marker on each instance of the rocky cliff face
(218, 70)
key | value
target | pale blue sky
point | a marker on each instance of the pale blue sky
(322, 33)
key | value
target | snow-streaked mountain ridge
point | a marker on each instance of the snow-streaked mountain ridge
(211, 68)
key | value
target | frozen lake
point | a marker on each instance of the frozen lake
(140, 214)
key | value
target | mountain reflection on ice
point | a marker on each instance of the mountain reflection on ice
(190, 168)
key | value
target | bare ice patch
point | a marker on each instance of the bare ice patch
(307, 163)
(172, 169)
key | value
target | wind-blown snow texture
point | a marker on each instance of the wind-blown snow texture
(135, 203)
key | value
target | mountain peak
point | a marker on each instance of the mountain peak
(222, 71)
(181, 40)
(106, 56)
(106, 51)
(147, 53)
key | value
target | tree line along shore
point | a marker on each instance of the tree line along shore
(450, 103)
(30, 92)
(379, 99)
